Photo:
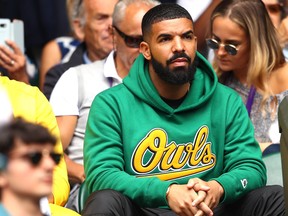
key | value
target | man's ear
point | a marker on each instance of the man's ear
(145, 50)
(78, 28)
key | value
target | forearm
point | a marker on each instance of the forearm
(75, 171)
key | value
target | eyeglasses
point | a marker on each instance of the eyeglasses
(274, 8)
(35, 157)
(214, 44)
(132, 42)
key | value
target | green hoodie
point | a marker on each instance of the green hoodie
(137, 144)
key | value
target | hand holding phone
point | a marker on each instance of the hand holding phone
(12, 56)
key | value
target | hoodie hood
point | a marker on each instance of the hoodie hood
(202, 86)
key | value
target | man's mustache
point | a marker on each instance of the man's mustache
(178, 55)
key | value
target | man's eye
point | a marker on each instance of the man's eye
(101, 17)
(189, 37)
(164, 39)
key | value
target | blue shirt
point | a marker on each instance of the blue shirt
(3, 211)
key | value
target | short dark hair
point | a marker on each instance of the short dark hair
(165, 11)
(22, 130)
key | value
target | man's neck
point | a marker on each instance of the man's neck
(21, 205)
(92, 56)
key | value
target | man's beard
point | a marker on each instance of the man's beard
(178, 75)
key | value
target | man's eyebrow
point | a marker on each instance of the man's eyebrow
(101, 15)
(188, 32)
(164, 35)
(169, 35)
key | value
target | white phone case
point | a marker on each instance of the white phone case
(13, 31)
(17, 33)
(5, 32)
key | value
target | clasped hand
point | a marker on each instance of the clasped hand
(197, 198)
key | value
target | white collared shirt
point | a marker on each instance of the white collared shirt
(74, 93)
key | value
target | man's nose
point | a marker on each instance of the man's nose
(178, 45)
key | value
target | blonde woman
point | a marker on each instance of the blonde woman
(249, 59)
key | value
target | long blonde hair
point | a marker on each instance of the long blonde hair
(265, 50)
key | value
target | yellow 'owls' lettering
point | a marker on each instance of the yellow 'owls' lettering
(182, 159)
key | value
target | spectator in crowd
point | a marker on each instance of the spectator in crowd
(74, 92)
(30, 104)
(249, 59)
(27, 160)
(94, 17)
(60, 49)
(277, 13)
(171, 140)
(43, 21)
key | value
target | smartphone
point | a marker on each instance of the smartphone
(5, 32)
(13, 31)
(17, 33)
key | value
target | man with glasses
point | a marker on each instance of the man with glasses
(171, 140)
(30, 104)
(73, 94)
(27, 161)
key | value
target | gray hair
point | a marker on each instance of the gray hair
(76, 8)
(120, 8)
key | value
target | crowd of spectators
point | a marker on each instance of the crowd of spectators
(76, 49)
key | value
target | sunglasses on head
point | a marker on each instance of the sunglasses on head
(132, 42)
(215, 45)
(35, 157)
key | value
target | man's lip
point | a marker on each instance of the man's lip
(180, 60)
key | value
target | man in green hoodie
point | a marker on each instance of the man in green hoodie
(171, 140)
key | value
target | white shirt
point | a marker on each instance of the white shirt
(74, 93)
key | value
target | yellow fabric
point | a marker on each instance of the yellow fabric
(61, 211)
(29, 103)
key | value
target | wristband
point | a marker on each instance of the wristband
(168, 190)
